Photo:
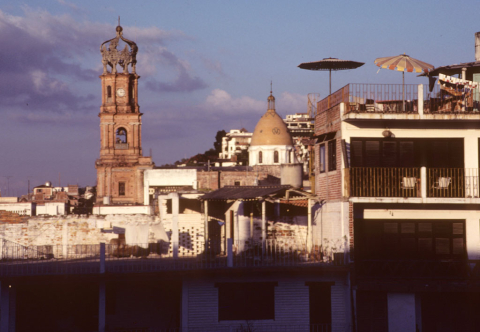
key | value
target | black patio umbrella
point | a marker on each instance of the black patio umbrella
(331, 64)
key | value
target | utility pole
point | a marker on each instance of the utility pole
(8, 183)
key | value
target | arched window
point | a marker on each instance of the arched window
(275, 157)
(260, 157)
(109, 93)
(121, 136)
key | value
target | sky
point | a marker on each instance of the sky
(204, 65)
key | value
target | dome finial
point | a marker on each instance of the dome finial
(271, 99)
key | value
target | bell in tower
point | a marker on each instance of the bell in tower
(121, 164)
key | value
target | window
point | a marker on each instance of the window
(246, 300)
(260, 157)
(332, 155)
(320, 303)
(237, 183)
(322, 158)
(404, 239)
(412, 152)
(275, 157)
(109, 92)
(121, 136)
(121, 189)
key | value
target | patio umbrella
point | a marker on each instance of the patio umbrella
(403, 63)
(331, 64)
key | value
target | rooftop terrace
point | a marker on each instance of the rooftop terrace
(399, 99)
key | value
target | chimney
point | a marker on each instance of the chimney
(477, 46)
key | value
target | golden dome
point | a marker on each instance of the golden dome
(271, 130)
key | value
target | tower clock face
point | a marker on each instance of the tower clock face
(120, 92)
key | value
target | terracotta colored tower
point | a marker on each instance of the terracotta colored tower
(121, 164)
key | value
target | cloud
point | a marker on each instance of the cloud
(290, 103)
(221, 101)
(49, 62)
(184, 81)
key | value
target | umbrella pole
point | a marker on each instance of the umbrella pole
(330, 80)
(403, 90)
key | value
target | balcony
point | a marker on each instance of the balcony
(418, 182)
(18, 260)
(389, 99)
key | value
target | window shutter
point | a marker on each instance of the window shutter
(357, 153)
(372, 154)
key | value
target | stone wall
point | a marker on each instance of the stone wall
(75, 229)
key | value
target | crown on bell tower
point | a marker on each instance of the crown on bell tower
(113, 57)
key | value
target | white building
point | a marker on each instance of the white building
(236, 141)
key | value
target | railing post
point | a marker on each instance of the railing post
(101, 304)
(309, 227)
(102, 257)
(264, 226)
(175, 211)
(229, 252)
(101, 290)
(420, 100)
(423, 181)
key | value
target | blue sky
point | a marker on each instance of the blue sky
(204, 66)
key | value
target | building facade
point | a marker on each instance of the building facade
(405, 183)
(121, 164)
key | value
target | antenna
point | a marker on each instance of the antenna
(271, 86)
(8, 183)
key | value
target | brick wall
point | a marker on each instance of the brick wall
(208, 180)
(329, 184)
(9, 217)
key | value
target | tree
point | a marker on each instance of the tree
(218, 141)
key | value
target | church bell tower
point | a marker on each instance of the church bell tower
(121, 164)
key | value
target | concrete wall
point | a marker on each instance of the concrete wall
(200, 304)
(52, 209)
(332, 227)
(127, 209)
(191, 239)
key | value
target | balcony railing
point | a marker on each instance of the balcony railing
(238, 327)
(411, 182)
(384, 182)
(398, 98)
(121, 146)
(17, 259)
(418, 269)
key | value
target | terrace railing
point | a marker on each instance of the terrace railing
(389, 98)
(382, 98)
(17, 259)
